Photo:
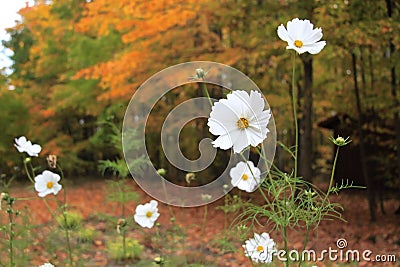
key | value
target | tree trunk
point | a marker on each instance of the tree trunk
(367, 178)
(305, 122)
(396, 117)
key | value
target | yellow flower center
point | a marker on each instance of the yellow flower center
(242, 123)
(298, 43)
(149, 214)
(245, 177)
(260, 248)
(49, 185)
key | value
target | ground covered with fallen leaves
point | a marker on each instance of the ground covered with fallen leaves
(187, 240)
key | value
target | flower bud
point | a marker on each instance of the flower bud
(340, 141)
(52, 161)
(159, 260)
(200, 73)
(162, 172)
(2, 196)
(190, 176)
(206, 197)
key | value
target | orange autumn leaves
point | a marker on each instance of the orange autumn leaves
(141, 25)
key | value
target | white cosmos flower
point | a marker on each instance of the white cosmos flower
(245, 176)
(261, 248)
(47, 183)
(24, 145)
(239, 121)
(147, 214)
(301, 36)
(47, 265)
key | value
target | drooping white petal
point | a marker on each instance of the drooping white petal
(283, 34)
(316, 48)
(35, 150)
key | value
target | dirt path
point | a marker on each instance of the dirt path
(89, 199)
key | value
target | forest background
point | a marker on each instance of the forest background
(77, 63)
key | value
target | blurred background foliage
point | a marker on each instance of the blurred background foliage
(78, 62)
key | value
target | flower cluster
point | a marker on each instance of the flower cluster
(47, 182)
(241, 120)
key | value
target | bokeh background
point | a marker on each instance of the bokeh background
(76, 64)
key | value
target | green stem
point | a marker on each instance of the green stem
(203, 226)
(205, 91)
(166, 197)
(64, 206)
(296, 126)
(68, 239)
(66, 229)
(332, 174)
(285, 228)
(305, 244)
(225, 212)
(49, 209)
(260, 189)
(11, 233)
(160, 247)
(122, 192)
(27, 173)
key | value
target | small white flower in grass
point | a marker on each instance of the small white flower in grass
(239, 121)
(47, 265)
(245, 176)
(146, 215)
(24, 145)
(301, 36)
(261, 248)
(47, 183)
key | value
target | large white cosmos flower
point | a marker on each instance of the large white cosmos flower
(47, 183)
(239, 121)
(24, 145)
(245, 176)
(261, 248)
(146, 215)
(301, 36)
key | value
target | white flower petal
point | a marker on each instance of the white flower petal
(313, 37)
(283, 34)
(35, 149)
(241, 143)
(316, 48)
